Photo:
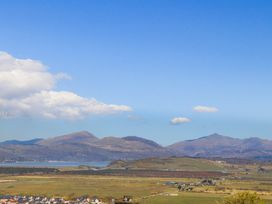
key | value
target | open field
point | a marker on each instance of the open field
(144, 190)
(149, 181)
(68, 185)
(148, 173)
(188, 198)
(184, 198)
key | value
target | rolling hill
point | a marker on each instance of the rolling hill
(169, 164)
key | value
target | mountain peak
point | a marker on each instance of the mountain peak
(76, 137)
(215, 136)
(140, 139)
(83, 133)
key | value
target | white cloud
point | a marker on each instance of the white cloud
(27, 89)
(21, 77)
(180, 120)
(205, 109)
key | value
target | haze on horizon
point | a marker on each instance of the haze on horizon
(163, 70)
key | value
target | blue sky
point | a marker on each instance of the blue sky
(161, 58)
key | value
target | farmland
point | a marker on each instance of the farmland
(145, 190)
(147, 181)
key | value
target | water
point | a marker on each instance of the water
(52, 164)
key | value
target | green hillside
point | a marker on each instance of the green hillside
(173, 163)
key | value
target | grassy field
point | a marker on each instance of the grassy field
(185, 198)
(189, 198)
(144, 190)
(101, 186)
(149, 181)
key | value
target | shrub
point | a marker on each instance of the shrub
(244, 198)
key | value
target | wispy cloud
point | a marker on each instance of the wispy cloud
(180, 120)
(205, 109)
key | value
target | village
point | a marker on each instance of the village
(17, 199)
(190, 186)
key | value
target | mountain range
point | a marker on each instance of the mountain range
(84, 146)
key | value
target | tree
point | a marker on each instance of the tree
(244, 198)
(179, 187)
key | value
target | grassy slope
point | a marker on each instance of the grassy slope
(185, 198)
(182, 164)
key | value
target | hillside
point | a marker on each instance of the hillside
(171, 164)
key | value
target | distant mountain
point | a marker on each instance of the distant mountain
(84, 146)
(18, 142)
(216, 145)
